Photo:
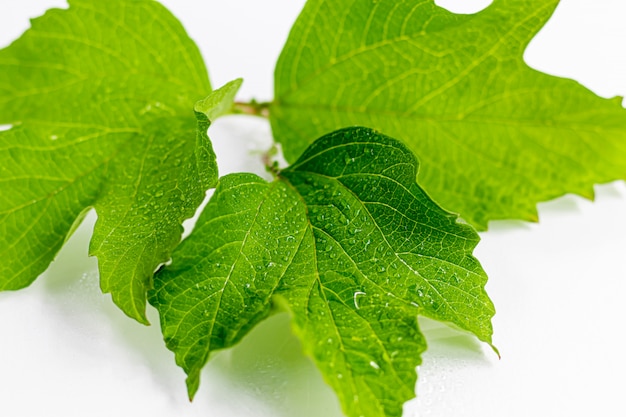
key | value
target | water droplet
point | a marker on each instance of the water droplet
(356, 298)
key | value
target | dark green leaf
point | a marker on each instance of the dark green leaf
(350, 245)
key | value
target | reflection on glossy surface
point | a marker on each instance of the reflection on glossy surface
(269, 369)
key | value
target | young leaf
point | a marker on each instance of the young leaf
(99, 97)
(494, 136)
(350, 245)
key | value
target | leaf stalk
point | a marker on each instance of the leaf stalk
(253, 108)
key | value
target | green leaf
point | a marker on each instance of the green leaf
(99, 97)
(349, 244)
(493, 135)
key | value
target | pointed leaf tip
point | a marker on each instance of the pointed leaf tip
(220, 101)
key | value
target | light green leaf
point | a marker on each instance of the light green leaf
(100, 101)
(493, 135)
(350, 245)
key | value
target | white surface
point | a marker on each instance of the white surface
(559, 286)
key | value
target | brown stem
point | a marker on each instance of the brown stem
(253, 108)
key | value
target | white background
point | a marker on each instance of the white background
(558, 286)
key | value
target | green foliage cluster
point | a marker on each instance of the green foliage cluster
(105, 100)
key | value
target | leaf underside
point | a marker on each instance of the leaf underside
(349, 244)
(494, 136)
(100, 100)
